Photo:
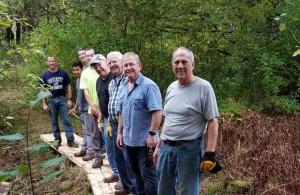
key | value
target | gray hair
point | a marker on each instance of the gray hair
(114, 54)
(191, 55)
(134, 55)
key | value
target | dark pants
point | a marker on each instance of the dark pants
(121, 159)
(143, 169)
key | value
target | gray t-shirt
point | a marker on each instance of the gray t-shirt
(81, 101)
(187, 110)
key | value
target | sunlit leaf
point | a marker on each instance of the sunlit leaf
(282, 27)
(13, 137)
(52, 162)
(5, 23)
(9, 117)
(296, 53)
(8, 123)
(52, 175)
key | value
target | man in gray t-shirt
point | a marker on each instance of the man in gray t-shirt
(190, 110)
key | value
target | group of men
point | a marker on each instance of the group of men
(121, 111)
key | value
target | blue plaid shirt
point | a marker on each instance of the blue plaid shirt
(114, 89)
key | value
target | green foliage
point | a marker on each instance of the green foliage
(50, 176)
(39, 97)
(231, 107)
(13, 137)
(36, 147)
(8, 174)
(279, 105)
(52, 162)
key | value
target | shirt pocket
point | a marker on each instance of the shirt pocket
(138, 103)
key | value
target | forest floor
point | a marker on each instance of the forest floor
(72, 181)
(261, 154)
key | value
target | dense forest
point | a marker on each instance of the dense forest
(248, 49)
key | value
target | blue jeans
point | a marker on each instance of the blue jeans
(144, 171)
(58, 106)
(180, 164)
(121, 159)
(109, 148)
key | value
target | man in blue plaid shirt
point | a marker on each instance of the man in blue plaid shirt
(126, 176)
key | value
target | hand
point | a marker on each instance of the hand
(45, 107)
(156, 155)
(208, 161)
(95, 112)
(72, 111)
(120, 141)
(151, 141)
(69, 103)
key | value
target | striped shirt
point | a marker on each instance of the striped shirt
(114, 89)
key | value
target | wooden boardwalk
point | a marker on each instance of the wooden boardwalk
(95, 176)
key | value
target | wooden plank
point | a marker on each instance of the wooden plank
(4, 188)
(95, 176)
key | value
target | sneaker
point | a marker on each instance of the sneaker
(81, 153)
(97, 163)
(111, 179)
(119, 186)
(88, 157)
(73, 145)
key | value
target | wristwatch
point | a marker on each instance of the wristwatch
(152, 133)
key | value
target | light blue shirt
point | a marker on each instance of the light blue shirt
(136, 107)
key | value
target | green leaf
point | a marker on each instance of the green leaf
(7, 174)
(40, 96)
(13, 137)
(36, 147)
(52, 162)
(282, 27)
(5, 23)
(9, 117)
(22, 168)
(296, 53)
(52, 175)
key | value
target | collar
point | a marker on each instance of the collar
(138, 80)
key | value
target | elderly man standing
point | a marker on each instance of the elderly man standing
(190, 111)
(139, 118)
(88, 83)
(125, 173)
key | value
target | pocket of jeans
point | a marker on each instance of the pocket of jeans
(190, 146)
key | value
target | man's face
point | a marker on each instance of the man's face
(82, 56)
(131, 67)
(115, 65)
(101, 69)
(182, 65)
(76, 71)
(89, 54)
(52, 64)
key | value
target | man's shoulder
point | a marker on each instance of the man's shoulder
(148, 82)
(199, 82)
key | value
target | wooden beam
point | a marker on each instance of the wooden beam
(95, 176)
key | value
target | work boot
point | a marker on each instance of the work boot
(119, 186)
(73, 145)
(88, 157)
(97, 163)
(111, 179)
(81, 153)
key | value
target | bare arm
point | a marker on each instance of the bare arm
(69, 92)
(212, 134)
(120, 132)
(155, 123)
